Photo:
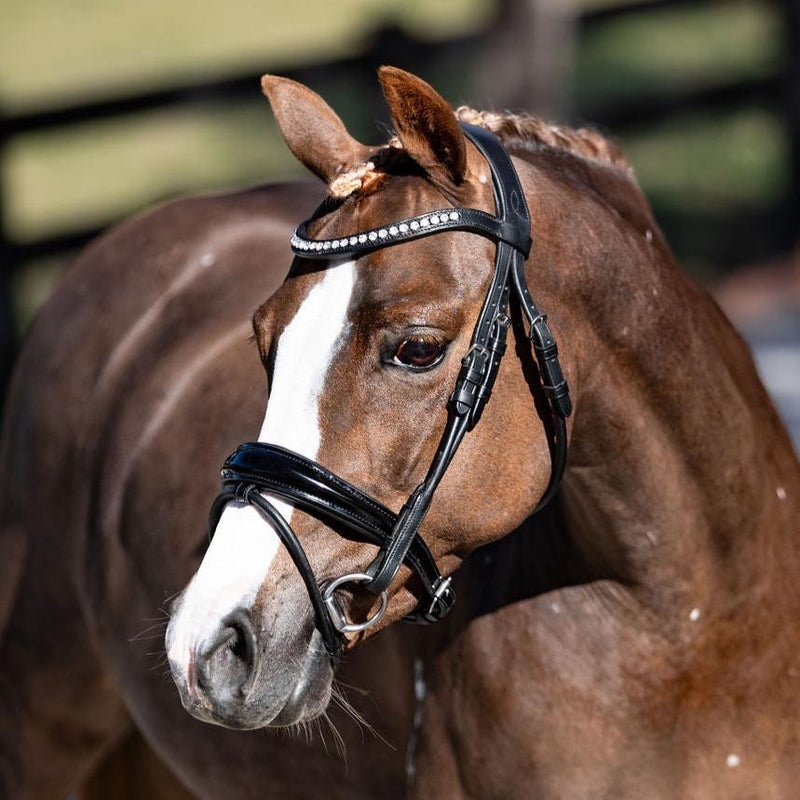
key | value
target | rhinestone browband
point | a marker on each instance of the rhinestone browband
(465, 219)
(433, 220)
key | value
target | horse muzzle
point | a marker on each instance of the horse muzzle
(240, 675)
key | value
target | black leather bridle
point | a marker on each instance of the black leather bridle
(257, 467)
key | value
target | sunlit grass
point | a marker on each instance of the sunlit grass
(89, 174)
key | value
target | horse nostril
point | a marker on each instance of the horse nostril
(227, 660)
(240, 647)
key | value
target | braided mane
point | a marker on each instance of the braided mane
(526, 129)
(514, 130)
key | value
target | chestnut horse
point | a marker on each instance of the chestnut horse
(635, 639)
(638, 641)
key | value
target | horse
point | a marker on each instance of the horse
(133, 381)
(636, 637)
(633, 637)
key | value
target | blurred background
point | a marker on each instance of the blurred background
(109, 107)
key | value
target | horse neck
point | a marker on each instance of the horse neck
(681, 479)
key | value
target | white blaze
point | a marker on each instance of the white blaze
(244, 544)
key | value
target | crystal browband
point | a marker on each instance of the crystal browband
(465, 219)
(435, 220)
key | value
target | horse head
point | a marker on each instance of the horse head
(362, 350)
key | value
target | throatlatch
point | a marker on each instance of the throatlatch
(258, 467)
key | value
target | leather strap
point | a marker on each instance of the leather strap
(406, 230)
(247, 493)
(481, 364)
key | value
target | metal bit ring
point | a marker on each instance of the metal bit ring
(335, 612)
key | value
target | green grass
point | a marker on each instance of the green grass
(706, 175)
(726, 162)
(88, 174)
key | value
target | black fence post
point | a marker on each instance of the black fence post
(392, 46)
(8, 325)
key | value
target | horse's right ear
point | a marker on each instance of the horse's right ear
(312, 129)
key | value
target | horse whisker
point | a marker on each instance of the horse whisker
(148, 632)
(341, 747)
(338, 696)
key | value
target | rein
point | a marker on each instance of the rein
(257, 467)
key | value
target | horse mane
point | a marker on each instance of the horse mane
(522, 134)
(523, 130)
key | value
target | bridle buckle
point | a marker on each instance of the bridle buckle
(442, 600)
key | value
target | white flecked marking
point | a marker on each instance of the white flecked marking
(733, 760)
(208, 259)
(781, 492)
(694, 614)
(244, 545)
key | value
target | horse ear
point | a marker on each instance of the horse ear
(312, 129)
(425, 123)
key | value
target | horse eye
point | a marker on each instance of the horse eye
(419, 352)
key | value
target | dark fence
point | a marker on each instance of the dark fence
(390, 45)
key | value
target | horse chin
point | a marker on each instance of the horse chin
(266, 703)
(312, 692)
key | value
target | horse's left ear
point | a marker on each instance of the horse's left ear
(425, 124)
